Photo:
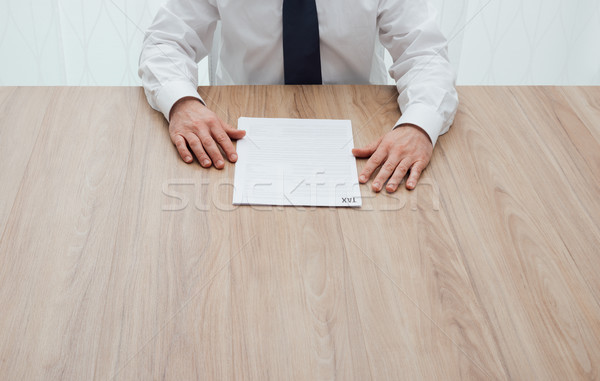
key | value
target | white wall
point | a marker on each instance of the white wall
(532, 42)
(97, 42)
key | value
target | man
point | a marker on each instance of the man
(274, 42)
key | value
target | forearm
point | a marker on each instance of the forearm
(424, 77)
(427, 96)
(173, 45)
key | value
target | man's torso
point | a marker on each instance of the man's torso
(248, 44)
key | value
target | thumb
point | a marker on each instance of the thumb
(367, 150)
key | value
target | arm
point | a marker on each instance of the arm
(180, 36)
(427, 97)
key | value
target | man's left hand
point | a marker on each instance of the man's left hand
(405, 148)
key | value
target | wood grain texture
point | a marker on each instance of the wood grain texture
(585, 102)
(529, 282)
(119, 261)
(21, 116)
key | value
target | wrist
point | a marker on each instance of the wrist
(414, 127)
(183, 103)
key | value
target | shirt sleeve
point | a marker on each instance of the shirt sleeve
(179, 37)
(421, 69)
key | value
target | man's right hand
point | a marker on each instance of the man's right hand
(193, 125)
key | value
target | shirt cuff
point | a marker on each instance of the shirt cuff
(426, 117)
(174, 91)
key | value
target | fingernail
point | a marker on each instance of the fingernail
(206, 163)
(220, 163)
(187, 158)
(363, 178)
(411, 184)
(233, 157)
(376, 185)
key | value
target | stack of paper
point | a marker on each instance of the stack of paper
(296, 162)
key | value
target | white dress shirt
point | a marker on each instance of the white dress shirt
(251, 51)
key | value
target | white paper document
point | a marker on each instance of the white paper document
(296, 162)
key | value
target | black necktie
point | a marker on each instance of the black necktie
(301, 52)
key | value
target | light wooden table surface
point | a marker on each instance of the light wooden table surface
(489, 270)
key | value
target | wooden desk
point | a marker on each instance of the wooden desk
(488, 271)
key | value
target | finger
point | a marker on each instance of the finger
(209, 145)
(223, 140)
(415, 174)
(367, 150)
(387, 169)
(196, 146)
(398, 175)
(179, 142)
(233, 133)
(372, 164)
